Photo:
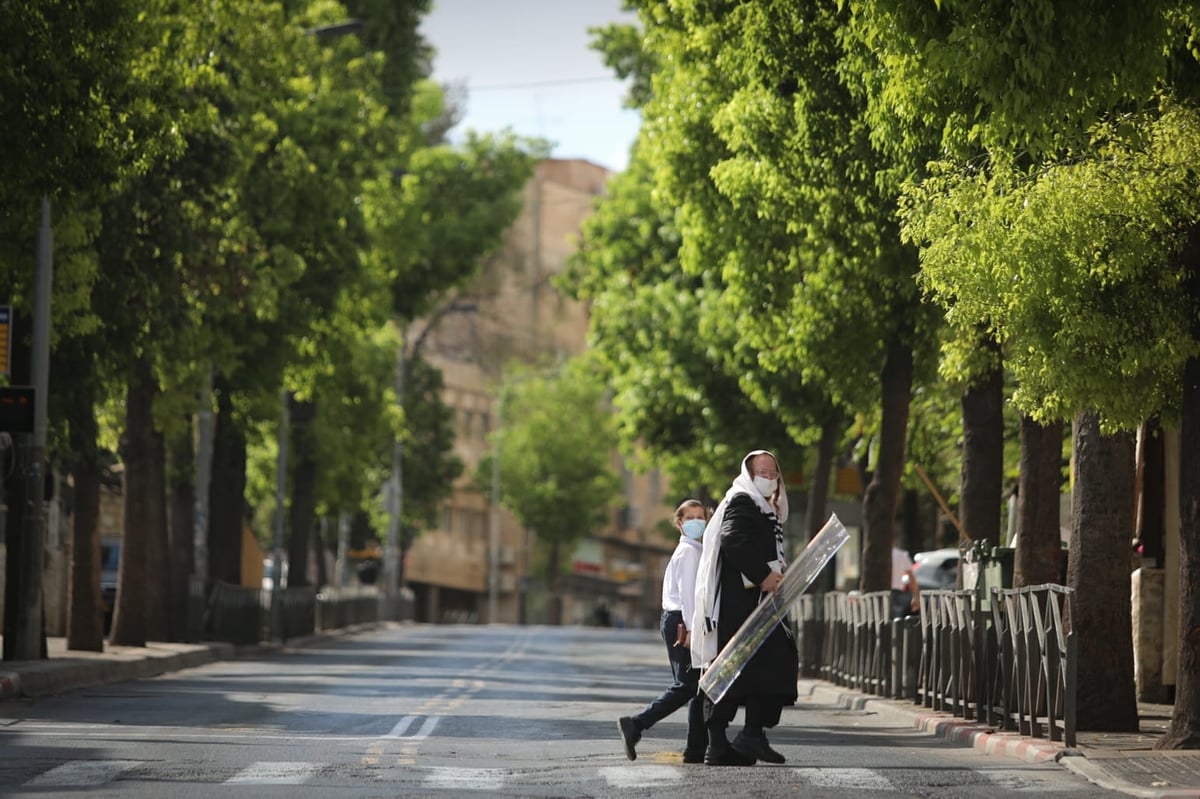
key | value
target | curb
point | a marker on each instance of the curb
(61, 675)
(989, 741)
(72, 671)
(64, 676)
(981, 737)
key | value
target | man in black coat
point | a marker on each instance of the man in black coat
(749, 565)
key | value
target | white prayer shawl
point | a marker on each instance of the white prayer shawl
(708, 576)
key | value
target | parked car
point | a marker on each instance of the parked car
(268, 579)
(936, 569)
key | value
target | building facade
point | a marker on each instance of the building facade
(476, 564)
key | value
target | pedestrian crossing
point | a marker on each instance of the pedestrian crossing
(451, 780)
(81, 774)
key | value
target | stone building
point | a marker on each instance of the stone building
(475, 566)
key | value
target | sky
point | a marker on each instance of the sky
(527, 66)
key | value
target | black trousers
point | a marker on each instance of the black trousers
(683, 689)
(762, 711)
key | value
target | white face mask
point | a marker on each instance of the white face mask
(694, 528)
(765, 487)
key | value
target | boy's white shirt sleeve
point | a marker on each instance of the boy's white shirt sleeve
(687, 583)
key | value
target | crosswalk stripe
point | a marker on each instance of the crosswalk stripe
(863, 778)
(93, 773)
(81, 773)
(274, 773)
(465, 779)
(641, 776)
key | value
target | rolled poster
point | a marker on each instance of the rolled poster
(728, 663)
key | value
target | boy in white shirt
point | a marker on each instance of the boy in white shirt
(678, 600)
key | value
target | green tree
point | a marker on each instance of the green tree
(763, 145)
(428, 441)
(555, 445)
(185, 247)
(75, 122)
(677, 400)
(693, 404)
(1101, 303)
(1055, 91)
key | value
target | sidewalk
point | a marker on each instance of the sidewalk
(1124, 762)
(67, 670)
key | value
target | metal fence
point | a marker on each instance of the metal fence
(1007, 658)
(1034, 686)
(219, 611)
(343, 607)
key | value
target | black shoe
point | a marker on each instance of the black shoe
(630, 734)
(756, 746)
(725, 756)
(693, 755)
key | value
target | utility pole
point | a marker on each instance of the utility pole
(277, 543)
(343, 543)
(204, 446)
(29, 619)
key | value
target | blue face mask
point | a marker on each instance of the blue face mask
(694, 528)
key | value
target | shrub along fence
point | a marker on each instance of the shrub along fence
(1007, 657)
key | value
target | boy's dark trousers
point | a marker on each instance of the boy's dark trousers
(683, 691)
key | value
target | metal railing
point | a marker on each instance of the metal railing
(219, 611)
(1008, 659)
(951, 660)
(342, 607)
(1034, 686)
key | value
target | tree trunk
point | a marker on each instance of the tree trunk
(320, 538)
(226, 494)
(158, 553)
(1098, 571)
(361, 534)
(1184, 732)
(911, 540)
(304, 485)
(129, 615)
(1152, 495)
(85, 619)
(983, 454)
(818, 494)
(879, 500)
(182, 546)
(1038, 555)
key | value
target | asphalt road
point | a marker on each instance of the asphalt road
(419, 711)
